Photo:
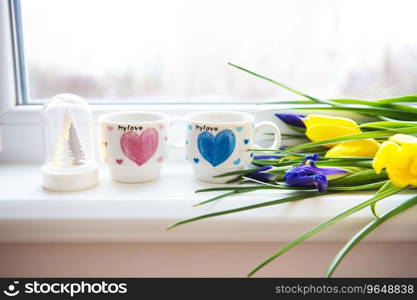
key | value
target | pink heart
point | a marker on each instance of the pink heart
(139, 148)
(160, 159)
(110, 128)
(119, 161)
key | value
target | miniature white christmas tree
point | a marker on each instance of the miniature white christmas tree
(75, 146)
(68, 149)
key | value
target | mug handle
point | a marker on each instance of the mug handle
(275, 129)
(181, 143)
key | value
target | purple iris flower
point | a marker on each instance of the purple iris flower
(312, 158)
(261, 174)
(310, 175)
(292, 120)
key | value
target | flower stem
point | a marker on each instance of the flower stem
(387, 190)
(365, 231)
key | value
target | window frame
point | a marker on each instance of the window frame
(21, 79)
(16, 103)
(8, 99)
(21, 82)
(20, 118)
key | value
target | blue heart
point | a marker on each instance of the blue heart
(190, 127)
(196, 160)
(239, 128)
(236, 162)
(216, 149)
(246, 141)
(251, 155)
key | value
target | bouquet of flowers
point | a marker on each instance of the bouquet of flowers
(341, 155)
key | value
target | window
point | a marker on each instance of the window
(174, 51)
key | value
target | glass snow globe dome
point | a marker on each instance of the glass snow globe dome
(68, 144)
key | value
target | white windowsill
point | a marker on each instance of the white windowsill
(141, 212)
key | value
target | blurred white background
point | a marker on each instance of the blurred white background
(177, 50)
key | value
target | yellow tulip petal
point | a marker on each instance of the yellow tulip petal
(320, 132)
(403, 158)
(386, 152)
(399, 176)
(413, 171)
(403, 139)
(397, 180)
(359, 148)
(413, 181)
(413, 167)
(399, 157)
(320, 119)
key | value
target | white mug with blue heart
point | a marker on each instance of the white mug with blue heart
(218, 142)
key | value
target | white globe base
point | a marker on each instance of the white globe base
(67, 181)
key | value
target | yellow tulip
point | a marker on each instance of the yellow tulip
(398, 156)
(358, 148)
(319, 128)
(320, 119)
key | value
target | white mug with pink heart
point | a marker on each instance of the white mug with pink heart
(134, 145)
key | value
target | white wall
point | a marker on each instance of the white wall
(202, 260)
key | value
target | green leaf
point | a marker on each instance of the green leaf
(289, 136)
(404, 108)
(403, 99)
(358, 136)
(365, 231)
(286, 87)
(296, 197)
(278, 151)
(369, 186)
(340, 162)
(340, 101)
(388, 124)
(234, 180)
(282, 186)
(381, 102)
(399, 114)
(386, 190)
(240, 172)
(361, 176)
(373, 210)
(296, 129)
(363, 162)
(233, 191)
(237, 188)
